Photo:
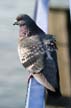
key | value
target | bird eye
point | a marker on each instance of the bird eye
(22, 24)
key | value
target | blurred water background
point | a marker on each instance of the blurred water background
(13, 77)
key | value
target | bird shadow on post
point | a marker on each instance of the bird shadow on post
(58, 101)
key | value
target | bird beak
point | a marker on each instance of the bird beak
(19, 23)
(15, 23)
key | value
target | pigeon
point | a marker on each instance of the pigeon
(34, 49)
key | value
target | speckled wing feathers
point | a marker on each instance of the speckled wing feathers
(31, 53)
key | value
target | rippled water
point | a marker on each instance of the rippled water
(13, 77)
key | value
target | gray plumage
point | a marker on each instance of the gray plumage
(35, 49)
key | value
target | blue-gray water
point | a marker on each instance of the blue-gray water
(13, 77)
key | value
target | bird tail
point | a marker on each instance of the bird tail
(42, 80)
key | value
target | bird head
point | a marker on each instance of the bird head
(21, 19)
(25, 20)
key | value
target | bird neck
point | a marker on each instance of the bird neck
(24, 31)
